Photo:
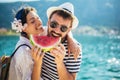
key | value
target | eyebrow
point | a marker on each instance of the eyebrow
(59, 24)
(31, 19)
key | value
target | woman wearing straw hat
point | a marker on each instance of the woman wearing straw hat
(59, 64)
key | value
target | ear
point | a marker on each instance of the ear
(69, 29)
(25, 27)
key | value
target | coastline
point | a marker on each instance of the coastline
(7, 32)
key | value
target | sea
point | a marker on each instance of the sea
(100, 52)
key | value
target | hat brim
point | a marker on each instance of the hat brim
(52, 9)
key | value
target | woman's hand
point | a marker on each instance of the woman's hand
(73, 47)
(37, 55)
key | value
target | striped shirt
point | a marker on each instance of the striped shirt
(49, 69)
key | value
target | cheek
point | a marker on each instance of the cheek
(31, 28)
(49, 29)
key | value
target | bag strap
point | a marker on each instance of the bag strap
(6, 75)
(18, 48)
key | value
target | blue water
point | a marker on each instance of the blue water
(101, 58)
(101, 55)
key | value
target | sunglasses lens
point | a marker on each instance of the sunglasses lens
(53, 25)
(63, 28)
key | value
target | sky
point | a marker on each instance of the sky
(7, 1)
(4, 1)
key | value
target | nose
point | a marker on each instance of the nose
(57, 29)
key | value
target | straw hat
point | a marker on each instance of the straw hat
(68, 7)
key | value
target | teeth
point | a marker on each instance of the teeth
(55, 34)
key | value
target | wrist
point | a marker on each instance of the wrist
(60, 63)
(37, 64)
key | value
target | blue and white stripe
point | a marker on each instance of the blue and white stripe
(49, 69)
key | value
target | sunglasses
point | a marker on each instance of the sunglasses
(54, 24)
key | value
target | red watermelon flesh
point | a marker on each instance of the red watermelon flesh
(45, 42)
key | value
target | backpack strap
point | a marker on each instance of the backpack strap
(18, 48)
(7, 73)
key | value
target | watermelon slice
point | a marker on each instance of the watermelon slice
(46, 43)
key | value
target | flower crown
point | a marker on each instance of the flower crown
(17, 25)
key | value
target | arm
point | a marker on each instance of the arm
(37, 57)
(21, 65)
(36, 72)
(59, 54)
(13, 71)
(77, 48)
(63, 72)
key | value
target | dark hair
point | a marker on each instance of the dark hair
(22, 13)
(63, 14)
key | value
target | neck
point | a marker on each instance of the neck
(63, 39)
(24, 34)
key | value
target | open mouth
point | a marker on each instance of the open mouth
(54, 34)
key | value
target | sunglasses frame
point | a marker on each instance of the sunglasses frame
(54, 24)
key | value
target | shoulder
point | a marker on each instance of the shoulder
(22, 54)
(22, 48)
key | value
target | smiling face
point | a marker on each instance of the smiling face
(34, 23)
(58, 26)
